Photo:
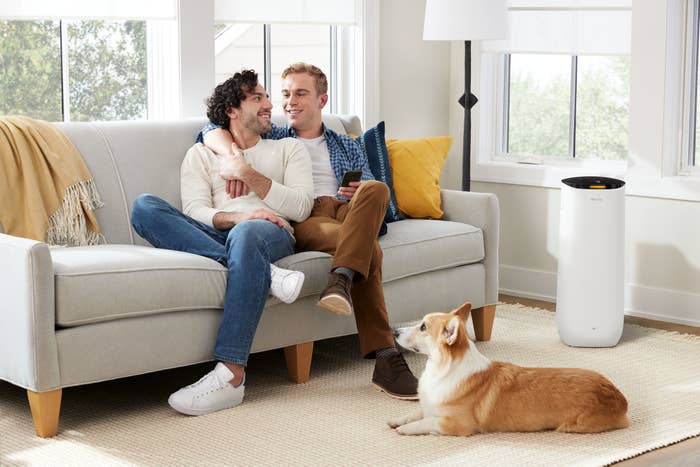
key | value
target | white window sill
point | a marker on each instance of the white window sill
(549, 173)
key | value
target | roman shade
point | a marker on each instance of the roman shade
(571, 27)
(287, 11)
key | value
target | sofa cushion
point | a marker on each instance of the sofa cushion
(415, 246)
(416, 165)
(411, 247)
(374, 146)
(104, 282)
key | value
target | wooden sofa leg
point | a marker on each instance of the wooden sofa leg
(482, 318)
(298, 359)
(45, 407)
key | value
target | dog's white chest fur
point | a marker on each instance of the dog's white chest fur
(438, 382)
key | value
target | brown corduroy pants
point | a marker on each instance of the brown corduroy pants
(348, 231)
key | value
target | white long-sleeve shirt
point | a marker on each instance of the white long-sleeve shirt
(286, 162)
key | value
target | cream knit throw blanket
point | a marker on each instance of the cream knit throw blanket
(46, 190)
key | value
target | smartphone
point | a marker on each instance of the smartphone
(351, 176)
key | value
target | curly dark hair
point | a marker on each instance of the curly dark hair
(230, 94)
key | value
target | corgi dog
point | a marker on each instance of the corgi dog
(462, 392)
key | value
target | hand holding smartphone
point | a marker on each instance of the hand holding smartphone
(350, 176)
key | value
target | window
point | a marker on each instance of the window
(30, 69)
(559, 86)
(560, 105)
(537, 114)
(602, 107)
(74, 70)
(237, 47)
(325, 33)
(291, 43)
(240, 46)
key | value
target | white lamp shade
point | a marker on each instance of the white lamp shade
(461, 20)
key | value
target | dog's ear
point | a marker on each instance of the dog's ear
(463, 311)
(451, 331)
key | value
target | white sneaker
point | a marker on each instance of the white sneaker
(211, 393)
(286, 284)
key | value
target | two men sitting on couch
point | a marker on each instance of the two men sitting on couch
(281, 183)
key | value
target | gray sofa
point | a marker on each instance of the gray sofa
(74, 316)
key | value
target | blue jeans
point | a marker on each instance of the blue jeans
(246, 250)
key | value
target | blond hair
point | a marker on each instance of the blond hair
(314, 71)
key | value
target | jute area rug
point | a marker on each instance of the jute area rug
(339, 419)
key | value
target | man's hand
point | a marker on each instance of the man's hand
(348, 192)
(232, 168)
(258, 214)
(236, 188)
(225, 220)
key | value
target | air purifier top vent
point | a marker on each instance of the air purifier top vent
(594, 183)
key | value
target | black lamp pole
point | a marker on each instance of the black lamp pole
(467, 104)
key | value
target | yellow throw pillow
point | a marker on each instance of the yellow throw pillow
(415, 168)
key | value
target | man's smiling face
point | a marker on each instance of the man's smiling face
(301, 103)
(256, 111)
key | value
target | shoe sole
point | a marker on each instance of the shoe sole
(336, 304)
(395, 396)
(297, 290)
(198, 412)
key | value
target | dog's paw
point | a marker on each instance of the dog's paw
(397, 422)
(408, 430)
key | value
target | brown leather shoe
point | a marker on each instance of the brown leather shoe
(336, 296)
(393, 376)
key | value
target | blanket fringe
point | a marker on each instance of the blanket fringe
(68, 226)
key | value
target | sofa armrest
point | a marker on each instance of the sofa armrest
(28, 355)
(480, 210)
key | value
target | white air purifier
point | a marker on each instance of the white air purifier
(591, 271)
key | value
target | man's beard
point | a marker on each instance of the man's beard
(251, 122)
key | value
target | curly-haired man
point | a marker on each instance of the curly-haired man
(344, 221)
(244, 233)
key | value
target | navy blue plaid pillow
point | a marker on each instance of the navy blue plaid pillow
(374, 145)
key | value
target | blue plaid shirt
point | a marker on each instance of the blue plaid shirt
(345, 153)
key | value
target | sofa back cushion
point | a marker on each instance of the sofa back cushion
(130, 158)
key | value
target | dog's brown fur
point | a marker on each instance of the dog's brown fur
(462, 393)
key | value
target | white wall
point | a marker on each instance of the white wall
(662, 234)
(414, 74)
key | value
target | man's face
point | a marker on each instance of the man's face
(301, 102)
(255, 111)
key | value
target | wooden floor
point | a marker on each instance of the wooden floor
(685, 453)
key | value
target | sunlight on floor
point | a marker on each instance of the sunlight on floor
(68, 451)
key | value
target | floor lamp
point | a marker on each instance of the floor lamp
(465, 20)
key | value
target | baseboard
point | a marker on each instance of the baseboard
(662, 304)
(528, 283)
(645, 302)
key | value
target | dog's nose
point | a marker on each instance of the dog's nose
(396, 333)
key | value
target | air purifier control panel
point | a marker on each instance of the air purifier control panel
(594, 183)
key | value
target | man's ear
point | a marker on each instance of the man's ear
(324, 100)
(463, 311)
(451, 331)
(231, 113)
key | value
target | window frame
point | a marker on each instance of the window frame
(687, 164)
(490, 163)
